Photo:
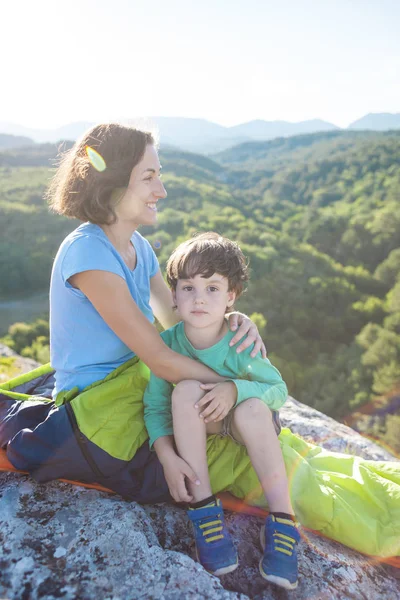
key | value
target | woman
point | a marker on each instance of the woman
(105, 287)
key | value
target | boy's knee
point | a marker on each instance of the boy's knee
(186, 386)
(186, 391)
(252, 408)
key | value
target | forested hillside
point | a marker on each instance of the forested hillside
(319, 218)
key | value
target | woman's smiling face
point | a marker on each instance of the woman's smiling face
(138, 203)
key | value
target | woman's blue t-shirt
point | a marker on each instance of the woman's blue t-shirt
(83, 348)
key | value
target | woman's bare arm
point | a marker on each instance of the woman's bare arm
(161, 301)
(111, 297)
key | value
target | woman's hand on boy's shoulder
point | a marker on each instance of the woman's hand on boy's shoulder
(244, 326)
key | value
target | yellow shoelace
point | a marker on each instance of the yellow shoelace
(281, 540)
(212, 527)
(284, 540)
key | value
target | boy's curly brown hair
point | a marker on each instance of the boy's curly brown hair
(206, 254)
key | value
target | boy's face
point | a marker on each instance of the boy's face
(203, 301)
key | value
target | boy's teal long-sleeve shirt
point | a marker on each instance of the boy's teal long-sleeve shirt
(253, 378)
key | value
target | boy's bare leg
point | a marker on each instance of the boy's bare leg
(190, 435)
(252, 425)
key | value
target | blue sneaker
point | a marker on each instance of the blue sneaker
(214, 545)
(279, 538)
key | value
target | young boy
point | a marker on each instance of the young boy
(206, 274)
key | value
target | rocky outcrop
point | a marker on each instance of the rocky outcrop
(317, 428)
(63, 541)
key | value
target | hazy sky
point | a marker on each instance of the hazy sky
(227, 61)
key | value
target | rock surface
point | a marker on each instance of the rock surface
(64, 541)
(317, 428)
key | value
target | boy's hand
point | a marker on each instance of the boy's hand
(176, 470)
(218, 402)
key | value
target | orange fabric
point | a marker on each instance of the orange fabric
(229, 502)
(5, 464)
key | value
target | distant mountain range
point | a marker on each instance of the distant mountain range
(377, 122)
(14, 141)
(199, 135)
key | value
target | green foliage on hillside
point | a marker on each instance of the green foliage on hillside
(319, 218)
(30, 340)
(30, 235)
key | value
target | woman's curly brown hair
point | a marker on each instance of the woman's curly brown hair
(78, 190)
